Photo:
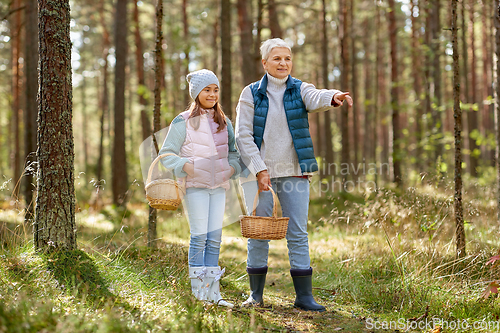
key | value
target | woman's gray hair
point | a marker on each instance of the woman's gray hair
(270, 44)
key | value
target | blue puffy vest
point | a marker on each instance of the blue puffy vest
(296, 115)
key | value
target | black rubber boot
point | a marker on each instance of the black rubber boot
(257, 278)
(302, 281)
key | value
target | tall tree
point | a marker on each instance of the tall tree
(396, 150)
(354, 89)
(344, 60)
(465, 54)
(225, 34)
(30, 111)
(55, 203)
(369, 119)
(119, 161)
(459, 231)
(260, 26)
(141, 89)
(437, 129)
(104, 96)
(16, 94)
(187, 46)
(472, 121)
(327, 124)
(497, 101)
(215, 47)
(84, 123)
(274, 23)
(487, 89)
(425, 8)
(417, 82)
(249, 65)
(153, 214)
(380, 96)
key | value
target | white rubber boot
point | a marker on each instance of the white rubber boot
(199, 282)
(214, 274)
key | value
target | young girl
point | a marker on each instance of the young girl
(202, 137)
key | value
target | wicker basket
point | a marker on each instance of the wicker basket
(165, 194)
(262, 227)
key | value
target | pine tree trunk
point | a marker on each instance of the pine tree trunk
(30, 112)
(84, 124)
(465, 55)
(260, 26)
(344, 112)
(354, 91)
(215, 47)
(187, 46)
(16, 95)
(104, 100)
(225, 34)
(55, 203)
(417, 85)
(329, 155)
(436, 77)
(318, 129)
(153, 214)
(369, 114)
(379, 98)
(248, 65)
(396, 150)
(487, 89)
(429, 125)
(119, 161)
(274, 24)
(141, 89)
(460, 231)
(497, 101)
(472, 120)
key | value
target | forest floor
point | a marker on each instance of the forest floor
(383, 262)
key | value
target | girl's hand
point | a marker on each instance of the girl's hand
(232, 172)
(264, 180)
(342, 96)
(189, 169)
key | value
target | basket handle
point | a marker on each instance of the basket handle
(275, 202)
(159, 157)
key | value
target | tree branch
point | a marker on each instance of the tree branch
(12, 11)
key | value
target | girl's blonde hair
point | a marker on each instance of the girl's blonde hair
(195, 111)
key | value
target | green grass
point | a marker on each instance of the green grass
(383, 256)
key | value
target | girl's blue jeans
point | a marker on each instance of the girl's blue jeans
(293, 194)
(205, 208)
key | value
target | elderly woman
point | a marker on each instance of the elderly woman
(272, 134)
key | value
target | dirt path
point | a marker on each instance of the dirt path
(279, 295)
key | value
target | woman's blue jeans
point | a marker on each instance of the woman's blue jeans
(293, 194)
(205, 208)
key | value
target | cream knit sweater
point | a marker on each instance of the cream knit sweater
(277, 153)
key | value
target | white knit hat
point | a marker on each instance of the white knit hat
(199, 80)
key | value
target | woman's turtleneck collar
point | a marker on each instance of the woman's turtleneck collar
(274, 83)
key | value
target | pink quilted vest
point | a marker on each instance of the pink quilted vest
(208, 150)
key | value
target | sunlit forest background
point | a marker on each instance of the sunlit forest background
(388, 237)
(336, 44)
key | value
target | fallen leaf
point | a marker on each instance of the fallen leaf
(436, 329)
(492, 288)
(493, 259)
